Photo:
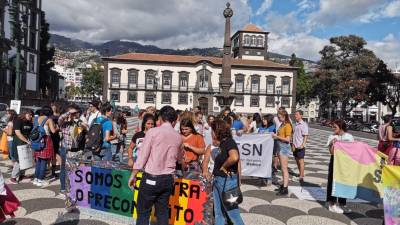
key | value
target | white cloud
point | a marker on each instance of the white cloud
(389, 10)
(284, 24)
(172, 23)
(302, 44)
(264, 7)
(387, 49)
(335, 11)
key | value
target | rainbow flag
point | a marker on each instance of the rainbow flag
(391, 196)
(106, 189)
(357, 172)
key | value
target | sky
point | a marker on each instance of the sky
(302, 27)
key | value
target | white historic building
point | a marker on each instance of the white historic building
(73, 76)
(185, 82)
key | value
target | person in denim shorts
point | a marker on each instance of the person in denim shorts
(283, 137)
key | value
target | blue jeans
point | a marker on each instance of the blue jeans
(40, 170)
(63, 155)
(104, 155)
(10, 150)
(116, 150)
(284, 149)
(234, 214)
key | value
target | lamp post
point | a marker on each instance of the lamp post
(278, 96)
(225, 98)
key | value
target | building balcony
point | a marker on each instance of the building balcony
(176, 88)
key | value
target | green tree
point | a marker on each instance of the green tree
(46, 56)
(346, 70)
(385, 88)
(92, 81)
(305, 84)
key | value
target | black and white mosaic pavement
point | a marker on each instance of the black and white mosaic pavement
(45, 206)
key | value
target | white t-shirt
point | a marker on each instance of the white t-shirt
(344, 137)
(254, 126)
(93, 116)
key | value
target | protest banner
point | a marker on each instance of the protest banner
(391, 196)
(107, 190)
(25, 157)
(255, 154)
(357, 172)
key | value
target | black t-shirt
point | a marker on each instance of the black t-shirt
(225, 146)
(24, 126)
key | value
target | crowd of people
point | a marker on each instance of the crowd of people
(168, 143)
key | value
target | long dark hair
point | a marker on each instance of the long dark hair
(257, 118)
(146, 117)
(187, 123)
(22, 116)
(13, 115)
(341, 124)
(270, 119)
(221, 129)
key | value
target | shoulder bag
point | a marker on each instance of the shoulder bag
(233, 197)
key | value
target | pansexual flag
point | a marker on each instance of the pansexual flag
(391, 196)
(357, 172)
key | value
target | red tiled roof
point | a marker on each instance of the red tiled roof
(160, 58)
(252, 28)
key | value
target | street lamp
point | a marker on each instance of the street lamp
(278, 95)
(225, 98)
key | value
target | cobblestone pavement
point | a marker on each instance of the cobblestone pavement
(43, 206)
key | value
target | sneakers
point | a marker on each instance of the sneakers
(279, 188)
(42, 183)
(13, 181)
(283, 192)
(35, 182)
(335, 208)
(346, 209)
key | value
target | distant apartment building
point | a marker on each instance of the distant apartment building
(30, 20)
(73, 76)
(185, 82)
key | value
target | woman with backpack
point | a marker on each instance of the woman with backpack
(119, 129)
(22, 127)
(283, 137)
(46, 152)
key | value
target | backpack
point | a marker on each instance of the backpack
(94, 137)
(37, 135)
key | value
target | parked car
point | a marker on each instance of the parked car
(3, 108)
(127, 110)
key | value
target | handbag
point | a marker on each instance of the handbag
(4, 145)
(233, 197)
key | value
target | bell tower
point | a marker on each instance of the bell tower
(250, 43)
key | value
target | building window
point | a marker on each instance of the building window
(246, 40)
(239, 101)
(150, 79)
(286, 102)
(132, 97)
(285, 85)
(254, 101)
(166, 98)
(270, 101)
(183, 80)
(32, 60)
(149, 97)
(115, 77)
(253, 40)
(260, 41)
(255, 84)
(183, 99)
(114, 96)
(239, 83)
(203, 76)
(270, 85)
(132, 78)
(32, 40)
(166, 79)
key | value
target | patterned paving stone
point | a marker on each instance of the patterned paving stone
(281, 213)
(27, 194)
(252, 202)
(250, 218)
(304, 206)
(34, 205)
(22, 221)
(312, 220)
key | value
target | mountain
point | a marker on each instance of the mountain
(117, 47)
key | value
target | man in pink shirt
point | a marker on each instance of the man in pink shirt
(157, 160)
